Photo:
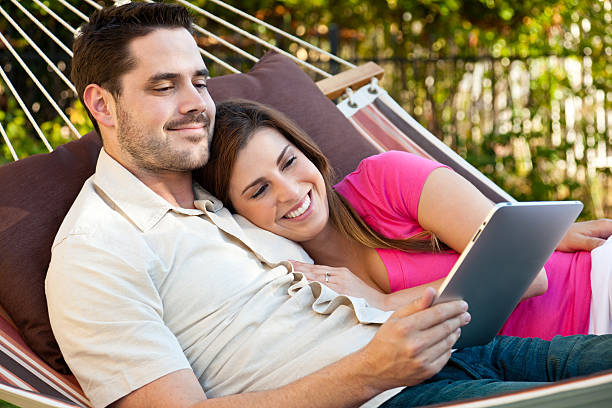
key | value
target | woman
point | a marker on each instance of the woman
(387, 231)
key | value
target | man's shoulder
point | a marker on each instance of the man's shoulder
(92, 215)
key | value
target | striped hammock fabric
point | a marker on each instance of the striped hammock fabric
(21, 368)
(387, 126)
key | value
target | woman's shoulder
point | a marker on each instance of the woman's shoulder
(394, 161)
(388, 171)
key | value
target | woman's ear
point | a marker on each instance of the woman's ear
(100, 102)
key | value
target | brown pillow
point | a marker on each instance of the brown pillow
(36, 192)
(35, 195)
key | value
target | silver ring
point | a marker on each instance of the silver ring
(326, 277)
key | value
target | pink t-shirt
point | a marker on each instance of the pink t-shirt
(385, 190)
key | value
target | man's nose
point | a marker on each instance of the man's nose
(192, 100)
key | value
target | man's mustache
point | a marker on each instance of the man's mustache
(189, 119)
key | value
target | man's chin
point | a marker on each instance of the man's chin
(196, 161)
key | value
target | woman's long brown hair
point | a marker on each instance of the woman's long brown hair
(237, 120)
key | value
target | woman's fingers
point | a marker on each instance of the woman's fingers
(312, 272)
(320, 273)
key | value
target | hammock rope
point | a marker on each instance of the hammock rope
(25, 109)
(253, 37)
(55, 16)
(39, 51)
(283, 33)
(74, 9)
(45, 11)
(8, 143)
(43, 28)
(41, 87)
(93, 4)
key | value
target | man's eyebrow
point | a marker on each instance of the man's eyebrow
(202, 72)
(260, 179)
(164, 76)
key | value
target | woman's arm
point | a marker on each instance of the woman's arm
(343, 281)
(586, 235)
(452, 208)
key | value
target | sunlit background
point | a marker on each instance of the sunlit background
(521, 89)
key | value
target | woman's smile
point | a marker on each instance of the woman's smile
(301, 210)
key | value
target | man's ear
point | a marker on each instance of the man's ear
(100, 102)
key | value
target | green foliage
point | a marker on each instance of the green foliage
(26, 141)
(517, 88)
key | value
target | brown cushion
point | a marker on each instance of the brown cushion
(36, 192)
(35, 195)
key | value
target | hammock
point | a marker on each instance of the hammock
(36, 192)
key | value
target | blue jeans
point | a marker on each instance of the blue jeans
(509, 364)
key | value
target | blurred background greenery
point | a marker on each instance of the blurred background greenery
(521, 89)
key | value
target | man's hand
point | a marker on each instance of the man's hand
(586, 235)
(415, 343)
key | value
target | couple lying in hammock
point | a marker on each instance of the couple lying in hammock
(393, 227)
(159, 296)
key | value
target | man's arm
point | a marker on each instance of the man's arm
(413, 345)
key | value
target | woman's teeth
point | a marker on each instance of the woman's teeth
(301, 210)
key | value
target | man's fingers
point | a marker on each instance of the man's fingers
(434, 355)
(440, 333)
(442, 347)
(418, 304)
(440, 353)
(440, 314)
(427, 298)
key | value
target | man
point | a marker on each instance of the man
(159, 297)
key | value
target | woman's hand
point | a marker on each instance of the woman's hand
(341, 280)
(586, 235)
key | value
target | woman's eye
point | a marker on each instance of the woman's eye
(260, 191)
(289, 162)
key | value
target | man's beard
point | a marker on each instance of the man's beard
(154, 152)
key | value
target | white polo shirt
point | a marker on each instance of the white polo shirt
(138, 289)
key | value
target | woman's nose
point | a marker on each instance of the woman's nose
(289, 190)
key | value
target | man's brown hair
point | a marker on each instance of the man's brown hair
(101, 46)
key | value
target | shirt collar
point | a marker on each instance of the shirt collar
(138, 202)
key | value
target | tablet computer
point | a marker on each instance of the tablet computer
(505, 255)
